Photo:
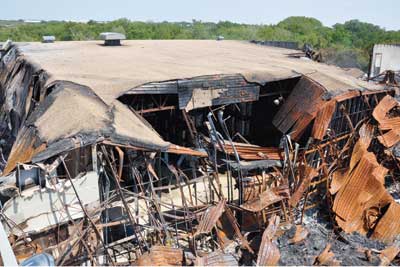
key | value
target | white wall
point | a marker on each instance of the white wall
(390, 59)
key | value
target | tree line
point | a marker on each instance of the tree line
(347, 45)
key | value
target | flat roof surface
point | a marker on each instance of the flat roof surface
(109, 71)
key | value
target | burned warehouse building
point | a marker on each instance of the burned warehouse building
(194, 153)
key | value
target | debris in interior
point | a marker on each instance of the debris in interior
(258, 158)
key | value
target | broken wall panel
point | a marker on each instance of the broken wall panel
(21, 88)
(268, 254)
(388, 227)
(39, 209)
(162, 256)
(207, 91)
(210, 218)
(300, 108)
(361, 196)
(57, 122)
(216, 259)
(323, 119)
(263, 200)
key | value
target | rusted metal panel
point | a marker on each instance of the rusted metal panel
(300, 108)
(175, 149)
(380, 113)
(327, 257)
(253, 152)
(216, 259)
(348, 201)
(308, 174)
(347, 95)
(301, 125)
(384, 106)
(390, 138)
(388, 227)
(263, 200)
(300, 234)
(339, 178)
(387, 122)
(323, 119)
(210, 218)
(360, 198)
(390, 123)
(269, 253)
(162, 256)
(388, 254)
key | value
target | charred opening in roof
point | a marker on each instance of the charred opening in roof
(249, 107)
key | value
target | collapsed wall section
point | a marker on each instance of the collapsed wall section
(21, 89)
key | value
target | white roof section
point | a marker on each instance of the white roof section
(110, 71)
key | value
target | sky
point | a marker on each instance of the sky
(384, 13)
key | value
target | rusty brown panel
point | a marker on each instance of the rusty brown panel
(388, 254)
(375, 199)
(374, 92)
(379, 173)
(390, 138)
(161, 256)
(323, 119)
(339, 178)
(380, 113)
(301, 125)
(361, 198)
(327, 257)
(252, 152)
(304, 101)
(348, 201)
(289, 104)
(235, 226)
(210, 218)
(294, 115)
(175, 149)
(391, 123)
(26, 146)
(263, 200)
(366, 134)
(216, 258)
(347, 95)
(384, 106)
(388, 226)
(269, 254)
(309, 174)
(300, 234)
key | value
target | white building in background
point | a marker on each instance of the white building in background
(385, 57)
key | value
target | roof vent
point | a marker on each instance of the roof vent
(48, 39)
(112, 38)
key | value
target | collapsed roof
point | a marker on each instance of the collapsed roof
(58, 97)
(62, 86)
(72, 116)
(63, 115)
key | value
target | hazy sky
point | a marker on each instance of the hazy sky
(381, 12)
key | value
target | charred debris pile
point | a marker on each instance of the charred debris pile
(211, 170)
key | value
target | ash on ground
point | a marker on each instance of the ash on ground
(349, 249)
